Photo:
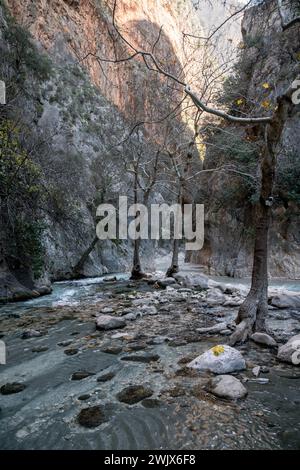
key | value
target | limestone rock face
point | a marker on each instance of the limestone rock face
(89, 107)
(229, 238)
(220, 360)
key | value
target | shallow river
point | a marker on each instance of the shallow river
(43, 416)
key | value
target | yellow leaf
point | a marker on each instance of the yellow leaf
(266, 104)
(266, 86)
(217, 350)
(239, 102)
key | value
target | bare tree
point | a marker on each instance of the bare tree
(253, 311)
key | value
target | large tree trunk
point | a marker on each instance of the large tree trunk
(253, 311)
(78, 268)
(136, 272)
(173, 269)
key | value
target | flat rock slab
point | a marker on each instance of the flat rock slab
(134, 394)
(220, 359)
(107, 322)
(227, 386)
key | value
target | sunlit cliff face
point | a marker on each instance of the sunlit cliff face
(82, 31)
(83, 27)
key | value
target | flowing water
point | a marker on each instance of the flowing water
(43, 416)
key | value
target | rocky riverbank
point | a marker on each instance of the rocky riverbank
(123, 369)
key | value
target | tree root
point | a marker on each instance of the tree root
(172, 270)
(241, 333)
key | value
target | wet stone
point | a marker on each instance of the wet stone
(146, 358)
(71, 351)
(66, 343)
(136, 347)
(11, 388)
(82, 374)
(91, 417)
(84, 397)
(40, 349)
(134, 394)
(106, 377)
(177, 342)
(112, 349)
(175, 392)
(151, 403)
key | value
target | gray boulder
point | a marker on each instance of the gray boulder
(106, 310)
(148, 310)
(215, 297)
(286, 301)
(264, 339)
(31, 334)
(168, 281)
(220, 359)
(192, 280)
(290, 352)
(107, 322)
(227, 386)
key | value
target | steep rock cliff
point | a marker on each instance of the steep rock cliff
(79, 114)
(268, 66)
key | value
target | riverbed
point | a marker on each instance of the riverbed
(179, 414)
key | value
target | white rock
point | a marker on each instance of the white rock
(221, 359)
(290, 352)
(261, 381)
(148, 310)
(107, 310)
(256, 371)
(227, 386)
(107, 322)
(264, 339)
